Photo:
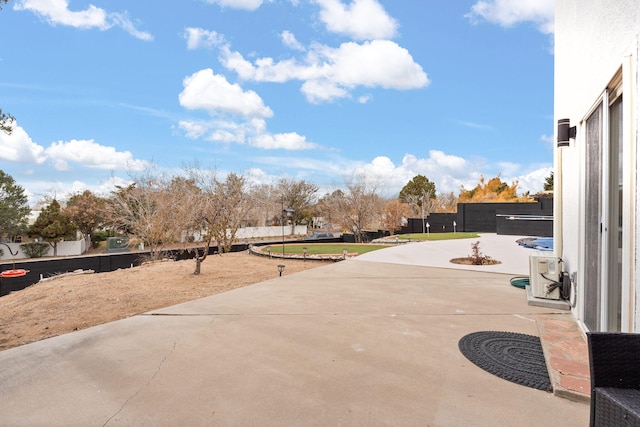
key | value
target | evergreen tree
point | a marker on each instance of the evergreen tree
(419, 194)
(418, 187)
(548, 183)
(5, 122)
(14, 208)
(53, 226)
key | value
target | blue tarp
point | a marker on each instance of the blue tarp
(539, 243)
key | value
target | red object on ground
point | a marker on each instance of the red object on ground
(14, 273)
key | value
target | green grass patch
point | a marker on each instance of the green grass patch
(439, 236)
(324, 248)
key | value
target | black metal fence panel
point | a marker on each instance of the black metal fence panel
(102, 263)
(522, 219)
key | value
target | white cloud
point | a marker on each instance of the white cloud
(236, 62)
(57, 12)
(330, 73)
(252, 132)
(122, 20)
(237, 116)
(214, 94)
(219, 130)
(548, 141)
(450, 173)
(39, 190)
(238, 4)
(532, 182)
(509, 168)
(19, 148)
(361, 20)
(193, 130)
(287, 141)
(289, 40)
(474, 125)
(317, 91)
(508, 13)
(377, 63)
(89, 154)
(198, 38)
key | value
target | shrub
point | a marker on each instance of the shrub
(101, 236)
(35, 249)
(477, 257)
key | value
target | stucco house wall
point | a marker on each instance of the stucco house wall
(594, 39)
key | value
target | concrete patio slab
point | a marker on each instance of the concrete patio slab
(358, 343)
(514, 259)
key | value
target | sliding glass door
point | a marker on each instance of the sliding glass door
(604, 194)
(593, 224)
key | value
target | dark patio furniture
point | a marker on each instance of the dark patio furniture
(614, 360)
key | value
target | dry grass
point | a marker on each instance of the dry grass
(74, 302)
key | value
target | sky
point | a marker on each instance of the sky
(314, 90)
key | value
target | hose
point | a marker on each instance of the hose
(520, 281)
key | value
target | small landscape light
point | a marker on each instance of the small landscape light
(280, 269)
(344, 253)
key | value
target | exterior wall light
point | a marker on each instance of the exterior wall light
(565, 132)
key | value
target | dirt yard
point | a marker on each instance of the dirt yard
(70, 303)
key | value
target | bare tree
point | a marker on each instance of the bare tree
(446, 202)
(395, 213)
(154, 209)
(329, 208)
(413, 202)
(298, 196)
(266, 203)
(361, 207)
(204, 212)
(421, 203)
(219, 210)
(87, 212)
(234, 205)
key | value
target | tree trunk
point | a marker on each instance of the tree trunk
(198, 264)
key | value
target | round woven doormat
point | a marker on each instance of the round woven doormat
(511, 356)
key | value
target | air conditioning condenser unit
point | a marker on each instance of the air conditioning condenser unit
(545, 274)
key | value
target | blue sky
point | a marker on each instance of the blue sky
(318, 90)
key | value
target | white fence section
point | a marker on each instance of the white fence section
(66, 248)
(78, 247)
(274, 231)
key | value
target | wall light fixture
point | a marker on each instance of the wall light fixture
(565, 132)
